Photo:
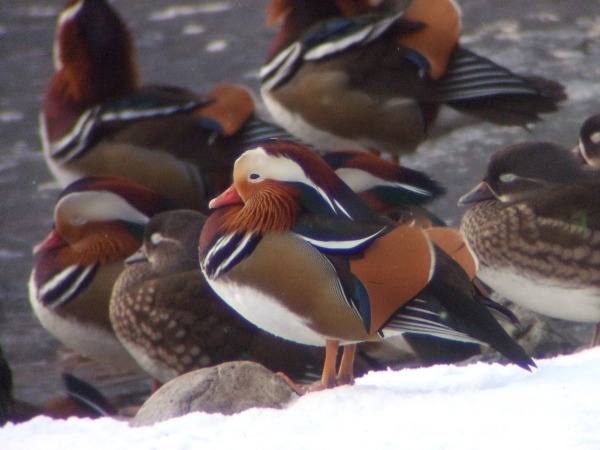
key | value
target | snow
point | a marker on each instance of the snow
(479, 406)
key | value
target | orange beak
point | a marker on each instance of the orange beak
(229, 197)
(53, 240)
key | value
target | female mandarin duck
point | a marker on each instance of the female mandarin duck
(98, 222)
(166, 315)
(97, 118)
(300, 255)
(344, 74)
(534, 229)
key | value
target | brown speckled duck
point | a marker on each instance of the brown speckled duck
(534, 229)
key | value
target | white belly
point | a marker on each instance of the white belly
(297, 126)
(267, 313)
(580, 304)
(87, 340)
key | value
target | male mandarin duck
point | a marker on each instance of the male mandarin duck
(98, 222)
(534, 229)
(167, 316)
(399, 193)
(97, 118)
(300, 255)
(588, 148)
(345, 74)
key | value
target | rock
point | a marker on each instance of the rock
(228, 388)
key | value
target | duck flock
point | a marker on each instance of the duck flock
(193, 230)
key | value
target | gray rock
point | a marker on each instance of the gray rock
(228, 388)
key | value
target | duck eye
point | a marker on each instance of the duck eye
(254, 176)
(508, 177)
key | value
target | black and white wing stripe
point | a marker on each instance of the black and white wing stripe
(256, 131)
(470, 76)
(323, 41)
(227, 251)
(93, 123)
(426, 317)
(65, 285)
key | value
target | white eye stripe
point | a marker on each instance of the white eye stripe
(280, 169)
(157, 238)
(97, 206)
(508, 177)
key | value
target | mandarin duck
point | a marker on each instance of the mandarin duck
(97, 118)
(300, 255)
(534, 230)
(98, 222)
(166, 315)
(588, 148)
(345, 74)
(399, 193)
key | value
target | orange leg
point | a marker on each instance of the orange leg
(346, 372)
(328, 378)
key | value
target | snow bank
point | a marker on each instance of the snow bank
(474, 407)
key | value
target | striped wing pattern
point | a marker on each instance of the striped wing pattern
(92, 124)
(472, 76)
(323, 41)
(428, 318)
(65, 285)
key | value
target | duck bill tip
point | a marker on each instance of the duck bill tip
(479, 193)
(52, 241)
(137, 257)
(228, 197)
